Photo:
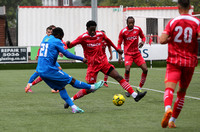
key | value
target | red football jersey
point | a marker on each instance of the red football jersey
(131, 39)
(92, 46)
(183, 46)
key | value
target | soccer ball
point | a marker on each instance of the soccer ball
(118, 99)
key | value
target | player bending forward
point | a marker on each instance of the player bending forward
(92, 43)
(181, 35)
(52, 75)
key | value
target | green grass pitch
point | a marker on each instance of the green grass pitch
(42, 111)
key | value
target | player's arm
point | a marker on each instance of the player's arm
(120, 40)
(141, 44)
(69, 55)
(110, 51)
(74, 43)
(36, 57)
(164, 38)
(109, 42)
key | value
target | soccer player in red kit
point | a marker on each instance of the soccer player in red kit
(130, 38)
(181, 35)
(92, 43)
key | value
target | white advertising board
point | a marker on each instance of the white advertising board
(149, 52)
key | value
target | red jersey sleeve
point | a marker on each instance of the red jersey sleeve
(76, 42)
(167, 29)
(120, 39)
(109, 42)
(38, 52)
(65, 45)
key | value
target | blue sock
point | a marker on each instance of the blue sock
(33, 77)
(65, 97)
(81, 85)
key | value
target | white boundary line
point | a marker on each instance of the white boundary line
(155, 90)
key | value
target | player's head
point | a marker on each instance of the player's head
(58, 33)
(91, 27)
(130, 21)
(183, 5)
(48, 31)
(52, 26)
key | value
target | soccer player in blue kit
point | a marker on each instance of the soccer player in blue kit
(52, 75)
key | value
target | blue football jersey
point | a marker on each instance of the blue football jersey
(49, 50)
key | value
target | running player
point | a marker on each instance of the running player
(33, 79)
(52, 75)
(130, 38)
(92, 44)
(181, 35)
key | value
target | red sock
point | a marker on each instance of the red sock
(80, 94)
(39, 79)
(126, 76)
(105, 78)
(126, 86)
(178, 105)
(143, 79)
(168, 96)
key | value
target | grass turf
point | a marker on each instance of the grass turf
(43, 111)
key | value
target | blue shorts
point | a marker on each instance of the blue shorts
(56, 79)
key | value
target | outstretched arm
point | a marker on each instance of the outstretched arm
(69, 55)
(109, 42)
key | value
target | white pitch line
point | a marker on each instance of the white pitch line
(155, 90)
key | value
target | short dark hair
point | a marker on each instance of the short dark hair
(48, 28)
(91, 23)
(58, 31)
(185, 4)
(52, 26)
(130, 17)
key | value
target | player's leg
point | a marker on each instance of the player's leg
(185, 80)
(60, 68)
(58, 80)
(29, 85)
(127, 75)
(125, 85)
(139, 61)
(105, 80)
(82, 85)
(67, 99)
(88, 88)
(171, 78)
(36, 81)
(127, 62)
(90, 79)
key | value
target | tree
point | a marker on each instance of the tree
(11, 8)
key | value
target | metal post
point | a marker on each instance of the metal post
(94, 10)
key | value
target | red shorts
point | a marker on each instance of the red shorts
(93, 70)
(137, 59)
(175, 74)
